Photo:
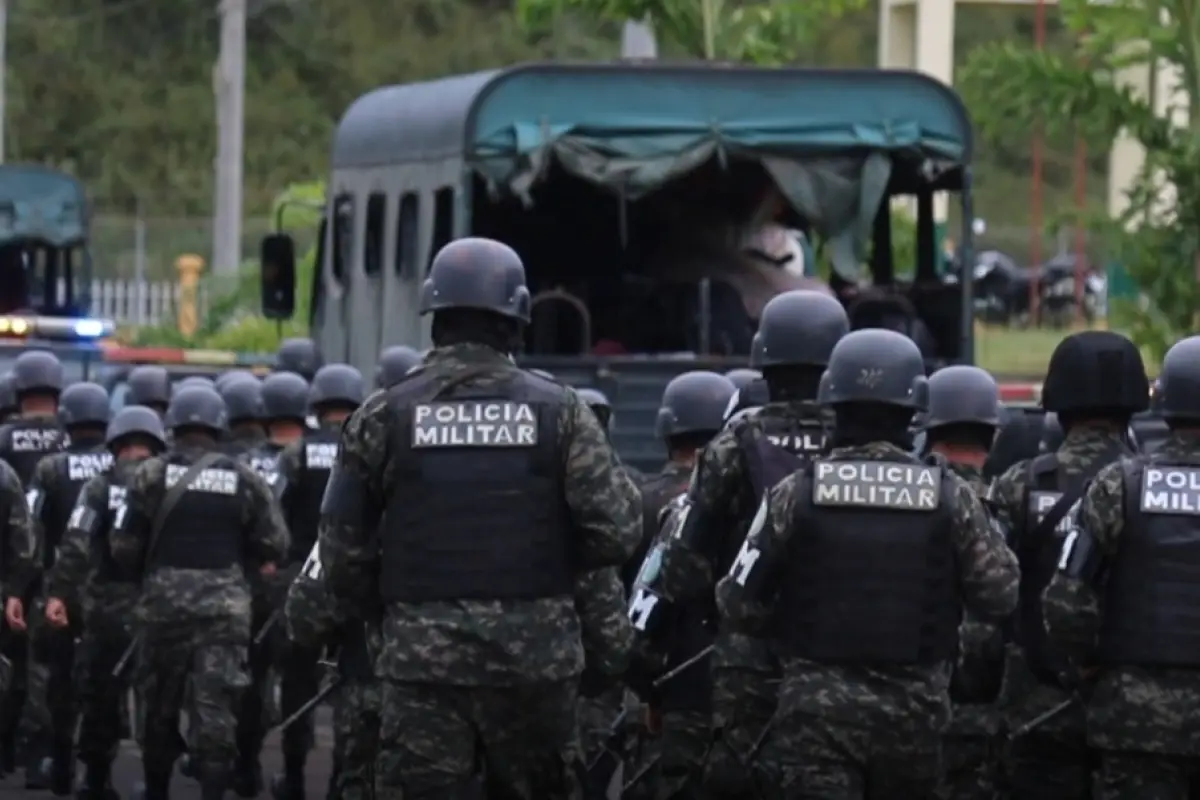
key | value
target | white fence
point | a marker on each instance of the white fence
(137, 303)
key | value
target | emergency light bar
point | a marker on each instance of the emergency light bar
(55, 328)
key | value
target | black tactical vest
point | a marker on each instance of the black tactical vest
(204, 529)
(1152, 598)
(871, 575)
(25, 442)
(76, 466)
(318, 451)
(1038, 554)
(476, 510)
(103, 565)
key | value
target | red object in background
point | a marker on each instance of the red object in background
(609, 347)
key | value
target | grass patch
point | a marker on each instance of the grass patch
(1013, 353)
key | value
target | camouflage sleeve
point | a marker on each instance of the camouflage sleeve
(133, 520)
(348, 551)
(308, 612)
(988, 572)
(1071, 605)
(20, 539)
(71, 568)
(605, 504)
(690, 554)
(745, 596)
(266, 535)
(606, 630)
(289, 478)
(1006, 496)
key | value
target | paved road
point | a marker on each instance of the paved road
(128, 770)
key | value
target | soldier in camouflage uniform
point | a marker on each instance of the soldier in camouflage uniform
(35, 432)
(84, 411)
(1095, 382)
(600, 405)
(284, 399)
(18, 567)
(193, 523)
(243, 399)
(150, 386)
(692, 413)
(1122, 605)
(394, 363)
(796, 333)
(84, 576)
(960, 425)
(336, 390)
(858, 566)
(463, 503)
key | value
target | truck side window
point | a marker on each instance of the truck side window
(373, 249)
(343, 236)
(406, 236)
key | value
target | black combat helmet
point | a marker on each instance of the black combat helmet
(1052, 433)
(598, 402)
(229, 376)
(300, 356)
(198, 407)
(336, 385)
(1178, 395)
(875, 366)
(394, 363)
(84, 404)
(962, 395)
(477, 273)
(743, 377)
(135, 421)
(193, 382)
(285, 396)
(149, 385)
(243, 398)
(798, 328)
(1096, 371)
(8, 394)
(37, 371)
(694, 403)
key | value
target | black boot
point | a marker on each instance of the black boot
(62, 770)
(97, 783)
(289, 785)
(247, 778)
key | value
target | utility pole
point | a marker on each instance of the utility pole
(3, 74)
(229, 81)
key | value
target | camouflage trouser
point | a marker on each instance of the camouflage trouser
(596, 716)
(356, 738)
(203, 657)
(969, 768)
(1146, 776)
(812, 756)
(744, 703)
(50, 708)
(253, 719)
(683, 747)
(15, 647)
(434, 739)
(101, 696)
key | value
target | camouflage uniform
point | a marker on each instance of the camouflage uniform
(195, 623)
(502, 673)
(855, 731)
(607, 641)
(745, 672)
(1138, 718)
(315, 621)
(51, 705)
(85, 576)
(18, 553)
(969, 749)
(1051, 760)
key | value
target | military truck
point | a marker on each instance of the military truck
(625, 188)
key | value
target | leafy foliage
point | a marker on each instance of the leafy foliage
(1089, 91)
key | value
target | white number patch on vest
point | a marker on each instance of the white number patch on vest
(1067, 549)
(119, 516)
(32, 497)
(748, 556)
(641, 607)
(116, 497)
(77, 515)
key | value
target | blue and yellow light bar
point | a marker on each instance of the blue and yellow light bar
(60, 329)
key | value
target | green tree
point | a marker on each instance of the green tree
(1013, 89)
(766, 32)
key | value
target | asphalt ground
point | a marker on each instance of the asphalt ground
(128, 769)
